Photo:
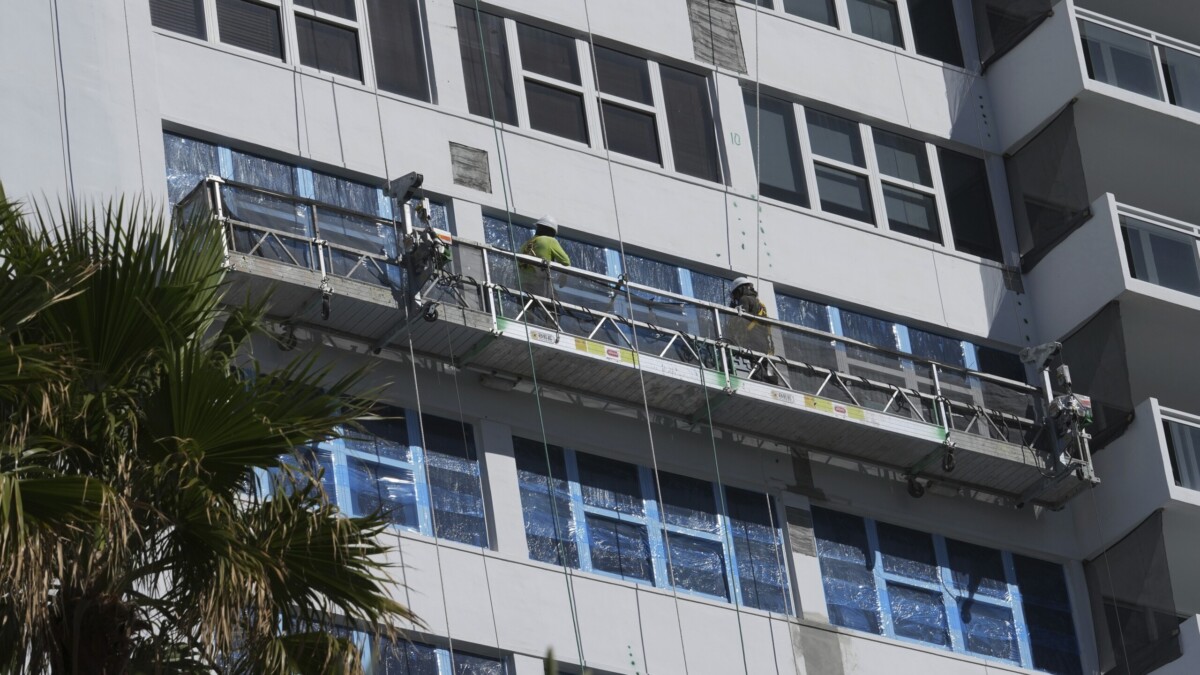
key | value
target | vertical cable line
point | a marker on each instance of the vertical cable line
(61, 91)
(506, 189)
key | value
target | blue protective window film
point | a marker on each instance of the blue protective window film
(615, 518)
(429, 485)
(915, 586)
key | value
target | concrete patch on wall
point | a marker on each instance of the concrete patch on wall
(821, 650)
(716, 37)
(800, 532)
(470, 167)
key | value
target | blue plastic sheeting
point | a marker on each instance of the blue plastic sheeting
(697, 564)
(347, 194)
(546, 503)
(188, 162)
(758, 548)
(609, 484)
(377, 487)
(470, 664)
(989, 630)
(619, 547)
(710, 288)
(457, 500)
(918, 614)
(907, 552)
(936, 347)
(405, 658)
(652, 273)
(264, 173)
(977, 569)
(386, 437)
(945, 592)
(803, 312)
(1047, 610)
(688, 502)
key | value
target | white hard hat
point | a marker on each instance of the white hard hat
(741, 281)
(548, 221)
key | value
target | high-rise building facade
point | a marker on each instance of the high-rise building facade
(609, 460)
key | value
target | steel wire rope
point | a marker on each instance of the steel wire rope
(487, 577)
(506, 190)
(724, 504)
(642, 383)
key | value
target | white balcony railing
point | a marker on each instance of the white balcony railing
(1162, 251)
(1140, 60)
(1183, 444)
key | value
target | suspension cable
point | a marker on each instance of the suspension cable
(506, 190)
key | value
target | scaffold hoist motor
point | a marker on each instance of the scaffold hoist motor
(1068, 413)
(426, 251)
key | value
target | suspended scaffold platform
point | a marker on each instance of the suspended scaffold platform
(341, 272)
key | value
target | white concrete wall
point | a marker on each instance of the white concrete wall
(1037, 78)
(1189, 643)
(78, 101)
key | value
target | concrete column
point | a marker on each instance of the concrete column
(500, 482)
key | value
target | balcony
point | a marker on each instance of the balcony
(1140, 535)
(1087, 105)
(1148, 266)
(629, 345)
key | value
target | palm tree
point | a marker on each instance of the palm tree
(135, 431)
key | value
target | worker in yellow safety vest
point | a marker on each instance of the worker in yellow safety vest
(535, 279)
(747, 333)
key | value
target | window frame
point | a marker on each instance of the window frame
(876, 179)
(658, 532)
(339, 457)
(948, 589)
(289, 36)
(593, 98)
(841, 24)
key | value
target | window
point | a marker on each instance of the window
(935, 30)
(398, 45)
(776, 147)
(185, 17)
(600, 97)
(908, 195)
(868, 174)
(553, 88)
(627, 105)
(605, 516)
(486, 67)
(894, 581)
(1120, 59)
(406, 657)
(429, 486)
(969, 204)
(328, 47)
(876, 19)
(816, 10)
(841, 173)
(1161, 256)
(250, 25)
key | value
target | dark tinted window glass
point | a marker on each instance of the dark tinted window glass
(342, 8)
(397, 41)
(936, 347)
(250, 26)
(907, 552)
(1001, 364)
(803, 312)
(623, 75)
(619, 547)
(868, 329)
(835, 137)
(912, 213)
(1183, 78)
(1120, 59)
(181, 16)
(847, 570)
(328, 47)
(652, 273)
(548, 54)
(609, 484)
(1047, 609)
(485, 65)
(556, 111)
(977, 569)
(776, 146)
(345, 193)
(761, 569)
(902, 157)
(453, 469)
(969, 202)
(630, 132)
(264, 173)
(690, 120)
(403, 657)
(876, 19)
(844, 193)
(817, 10)
(546, 502)
(935, 31)
(688, 502)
